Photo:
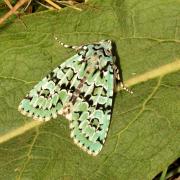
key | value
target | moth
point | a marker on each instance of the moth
(81, 89)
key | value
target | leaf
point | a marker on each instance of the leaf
(144, 133)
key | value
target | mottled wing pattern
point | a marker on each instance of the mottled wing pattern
(81, 89)
(91, 112)
(49, 96)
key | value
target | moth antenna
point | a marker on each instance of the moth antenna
(125, 88)
(66, 45)
(117, 76)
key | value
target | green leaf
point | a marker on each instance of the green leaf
(144, 133)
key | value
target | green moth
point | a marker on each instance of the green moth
(81, 89)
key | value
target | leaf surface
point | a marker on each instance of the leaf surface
(144, 133)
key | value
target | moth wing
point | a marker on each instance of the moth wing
(92, 112)
(49, 96)
(83, 98)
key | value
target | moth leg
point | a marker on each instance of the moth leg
(125, 88)
(119, 80)
(76, 48)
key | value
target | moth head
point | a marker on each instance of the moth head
(107, 45)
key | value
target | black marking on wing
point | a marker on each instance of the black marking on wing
(59, 101)
(78, 112)
(83, 53)
(86, 64)
(95, 71)
(29, 97)
(105, 68)
(100, 141)
(101, 49)
(45, 93)
(99, 128)
(103, 107)
(86, 98)
(94, 123)
(52, 76)
(72, 89)
(65, 69)
(103, 89)
(62, 86)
